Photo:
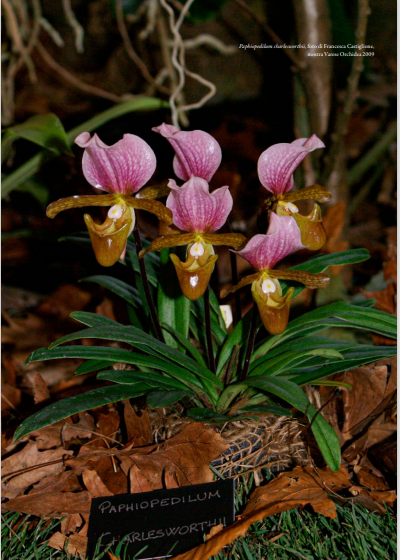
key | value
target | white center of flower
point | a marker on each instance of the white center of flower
(268, 287)
(290, 207)
(197, 250)
(115, 212)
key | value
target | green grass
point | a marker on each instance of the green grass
(356, 534)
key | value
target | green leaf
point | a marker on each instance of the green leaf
(206, 415)
(79, 403)
(129, 293)
(320, 263)
(117, 356)
(164, 398)
(46, 131)
(281, 362)
(265, 409)
(324, 434)
(154, 379)
(185, 342)
(197, 310)
(339, 314)
(93, 365)
(238, 337)
(138, 338)
(173, 306)
(92, 319)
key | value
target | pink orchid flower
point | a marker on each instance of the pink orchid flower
(120, 170)
(263, 252)
(199, 213)
(197, 152)
(276, 166)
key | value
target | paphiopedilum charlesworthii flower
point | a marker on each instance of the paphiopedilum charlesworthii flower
(276, 166)
(120, 170)
(196, 152)
(198, 213)
(263, 252)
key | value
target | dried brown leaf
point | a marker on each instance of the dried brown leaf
(189, 454)
(51, 503)
(71, 524)
(38, 464)
(40, 390)
(94, 484)
(138, 428)
(137, 481)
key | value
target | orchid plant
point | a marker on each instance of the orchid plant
(183, 351)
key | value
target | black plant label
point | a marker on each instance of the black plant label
(161, 523)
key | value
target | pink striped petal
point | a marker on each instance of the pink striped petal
(122, 168)
(277, 164)
(283, 238)
(197, 153)
(195, 209)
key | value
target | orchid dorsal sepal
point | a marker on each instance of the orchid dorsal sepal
(244, 282)
(169, 241)
(313, 192)
(153, 206)
(235, 240)
(153, 192)
(310, 280)
(81, 201)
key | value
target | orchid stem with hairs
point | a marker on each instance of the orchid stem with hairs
(209, 340)
(250, 343)
(146, 288)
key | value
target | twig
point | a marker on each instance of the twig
(146, 288)
(207, 320)
(162, 33)
(250, 343)
(132, 53)
(73, 80)
(331, 175)
(296, 61)
(76, 26)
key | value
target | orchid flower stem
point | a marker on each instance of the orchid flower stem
(146, 288)
(207, 320)
(250, 343)
(235, 278)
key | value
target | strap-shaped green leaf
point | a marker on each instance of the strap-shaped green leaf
(79, 403)
(173, 306)
(238, 337)
(185, 342)
(154, 379)
(320, 263)
(129, 293)
(92, 319)
(324, 434)
(144, 342)
(284, 362)
(164, 398)
(117, 355)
